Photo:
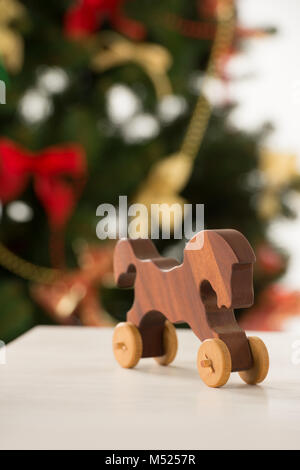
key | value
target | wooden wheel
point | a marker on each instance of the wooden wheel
(170, 344)
(260, 367)
(214, 362)
(127, 344)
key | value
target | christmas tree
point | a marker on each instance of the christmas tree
(100, 94)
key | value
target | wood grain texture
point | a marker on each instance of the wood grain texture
(214, 279)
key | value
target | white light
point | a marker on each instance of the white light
(239, 67)
(171, 107)
(122, 104)
(35, 106)
(214, 90)
(141, 127)
(19, 211)
(53, 80)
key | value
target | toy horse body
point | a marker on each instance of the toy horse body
(214, 279)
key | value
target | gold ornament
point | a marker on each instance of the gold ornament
(154, 59)
(11, 50)
(168, 177)
(278, 170)
(10, 10)
(11, 43)
(269, 204)
(164, 182)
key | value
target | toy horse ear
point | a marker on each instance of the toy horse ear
(196, 243)
(239, 245)
(235, 251)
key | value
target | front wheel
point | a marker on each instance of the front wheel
(214, 362)
(127, 344)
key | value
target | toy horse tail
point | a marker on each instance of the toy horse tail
(126, 257)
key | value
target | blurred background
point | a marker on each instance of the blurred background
(177, 101)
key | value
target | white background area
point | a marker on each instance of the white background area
(272, 93)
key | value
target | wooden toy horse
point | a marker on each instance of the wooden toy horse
(214, 279)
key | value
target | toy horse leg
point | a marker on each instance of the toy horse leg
(214, 322)
(222, 325)
(239, 349)
(225, 327)
(151, 327)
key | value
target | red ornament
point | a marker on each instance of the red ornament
(275, 309)
(268, 260)
(207, 8)
(86, 17)
(49, 170)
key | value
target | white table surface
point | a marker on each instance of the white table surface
(62, 389)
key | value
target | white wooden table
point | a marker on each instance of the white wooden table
(62, 389)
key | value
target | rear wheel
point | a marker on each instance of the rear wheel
(214, 362)
(170, 345)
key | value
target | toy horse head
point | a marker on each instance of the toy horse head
(223, 259)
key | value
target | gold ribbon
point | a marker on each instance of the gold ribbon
(24, 269)
(154, 59)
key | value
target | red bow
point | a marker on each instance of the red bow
(49, 169)
(87, 15)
